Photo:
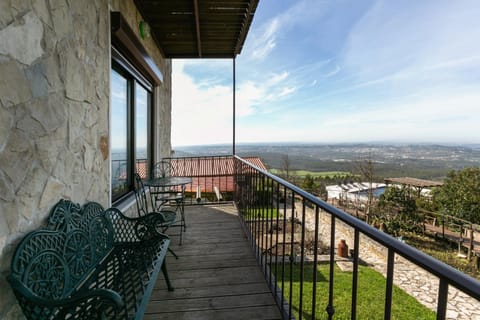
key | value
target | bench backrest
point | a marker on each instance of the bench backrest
(53, 261)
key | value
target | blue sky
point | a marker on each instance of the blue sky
(340, 71)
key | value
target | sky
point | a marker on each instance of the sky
(340, 71)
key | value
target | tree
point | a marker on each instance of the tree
(365, 168)
(397, 210)
(322, 190)
(314, 186)
(460, 194)
(286, 166)
(309, 184)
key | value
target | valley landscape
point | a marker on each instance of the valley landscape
(424, 161)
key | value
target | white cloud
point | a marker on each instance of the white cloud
(199, 114)
(263, 44)
(255, 96)
(442, 118)
(332, 73)
(405, 71)
(461, 62)
(437, 33)
(285, 91)
(202, 113)
(277, 78)
(248, 95)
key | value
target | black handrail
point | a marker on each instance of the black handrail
(251, 179)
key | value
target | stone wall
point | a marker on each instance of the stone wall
(54, 113)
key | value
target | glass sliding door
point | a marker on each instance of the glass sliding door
(131, 109)
(119, 134)
(142, 107)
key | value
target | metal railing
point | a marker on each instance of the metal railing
(275, 215)
(212, 177)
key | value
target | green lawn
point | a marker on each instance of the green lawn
(370, 298)
(315, 174)
(262, 213)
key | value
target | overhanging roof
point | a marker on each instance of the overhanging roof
(418, 183)
(198, 28)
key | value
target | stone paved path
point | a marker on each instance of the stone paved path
(409, 277)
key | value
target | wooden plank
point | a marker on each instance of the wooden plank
(216, 275)
(222, 240)
(215, 225)
(216, 303)
(262, 312)
(212, 251)
(224, 234)
(192, 264)
(193, 236)
(210, 291)
(226, 273)
(209, 281)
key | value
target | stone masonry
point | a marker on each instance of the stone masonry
(54, 113)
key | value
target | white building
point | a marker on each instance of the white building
(357, 191)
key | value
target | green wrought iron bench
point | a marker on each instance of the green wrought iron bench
(88, 263)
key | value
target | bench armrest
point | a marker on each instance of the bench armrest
(84, 302)
(128, 229)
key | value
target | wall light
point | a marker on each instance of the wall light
(144, 29)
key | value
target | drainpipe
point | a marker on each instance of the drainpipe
(234, 111)
(233, 135)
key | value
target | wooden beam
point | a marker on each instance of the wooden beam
(244, 29)
(197, 25)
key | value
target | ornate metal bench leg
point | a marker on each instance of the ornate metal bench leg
(165, 274)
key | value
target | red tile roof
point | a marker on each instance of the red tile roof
(209, 166)
(206, 172)
(210, 172)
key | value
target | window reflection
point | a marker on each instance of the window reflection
(119, 132)
(142, 101)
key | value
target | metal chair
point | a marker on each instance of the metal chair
(166, 218)
(163, 196)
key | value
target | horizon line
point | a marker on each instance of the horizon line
(286, 143)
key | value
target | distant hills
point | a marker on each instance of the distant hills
(425, 161)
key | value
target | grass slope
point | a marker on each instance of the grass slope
(370, 298)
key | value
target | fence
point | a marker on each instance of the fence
(274, 213)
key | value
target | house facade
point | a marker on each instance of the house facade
(77, 78)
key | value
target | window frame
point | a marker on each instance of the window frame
(127, 70)
(129, 52)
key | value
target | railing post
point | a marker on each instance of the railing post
(302, 257)
(235, 179)
(389, 288)
(330, 308)
(277, 206)
(315, 261)
(470, 247)
(356, 243)
(292, 255)
(284, 227)
(442, 299)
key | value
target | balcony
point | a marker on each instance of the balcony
(238, 258)
(56, 141)
(216, 275)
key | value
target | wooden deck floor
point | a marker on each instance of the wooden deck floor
(216, 275)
